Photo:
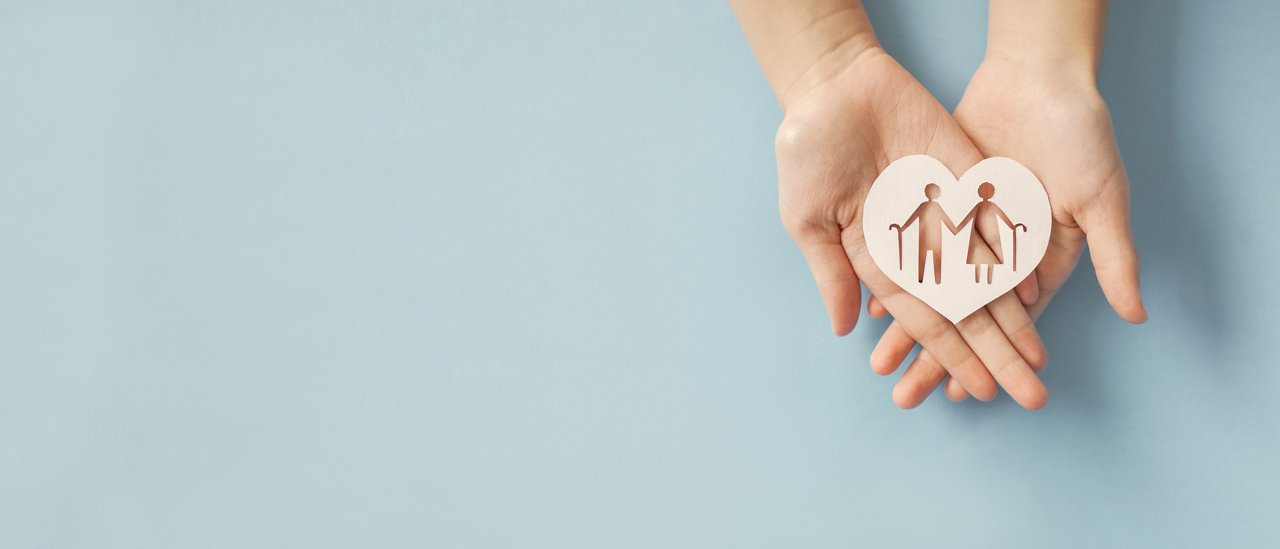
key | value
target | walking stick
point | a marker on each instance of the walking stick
(1015, 243)
(899, 229)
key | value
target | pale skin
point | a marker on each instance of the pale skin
(850, 110)
(1035, 99)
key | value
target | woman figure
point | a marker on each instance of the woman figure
(984, 239)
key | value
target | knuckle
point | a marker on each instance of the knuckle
(1004, 366)
(977, 326)
(933, 332)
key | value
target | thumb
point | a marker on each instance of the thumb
(836, 280)
(1106, 226)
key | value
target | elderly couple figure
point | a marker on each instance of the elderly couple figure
(984, 239)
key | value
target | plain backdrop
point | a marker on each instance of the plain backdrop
(510, 274)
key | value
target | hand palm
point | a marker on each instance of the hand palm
(835, 140)
(1063, 132)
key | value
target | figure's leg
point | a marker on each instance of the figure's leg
(937, 266)
(991, 267)
(920, 269)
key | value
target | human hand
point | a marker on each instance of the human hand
(841, 130)
(1057, 124)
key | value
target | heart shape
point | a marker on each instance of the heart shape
(908, 219)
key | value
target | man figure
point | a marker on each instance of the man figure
(931, 217)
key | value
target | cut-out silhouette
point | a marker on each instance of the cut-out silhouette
(984, 239)
(893, 202)
(931, 217)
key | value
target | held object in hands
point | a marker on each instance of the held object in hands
(957, 245)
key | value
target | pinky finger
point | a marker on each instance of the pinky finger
(954, 391)
(875, 309)
(1028, 290)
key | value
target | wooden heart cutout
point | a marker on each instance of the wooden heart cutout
(915, 203)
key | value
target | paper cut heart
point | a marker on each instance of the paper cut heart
(913, 207)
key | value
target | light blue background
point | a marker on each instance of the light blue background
(465, 274)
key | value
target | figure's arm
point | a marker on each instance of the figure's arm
(966, 220)
(914, 216)
(1003, 217)
(946, 219)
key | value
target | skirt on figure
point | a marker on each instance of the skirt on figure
(984, 238)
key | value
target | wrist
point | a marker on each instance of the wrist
(802, 44)
(1064, 79)
(1047, 61)
(1055, 39)
(825, 63)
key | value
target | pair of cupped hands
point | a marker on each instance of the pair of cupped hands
(859, 111)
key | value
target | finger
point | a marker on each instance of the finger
(874, 308)
(837, 283)
(954, 392)
(1008, 313)
(1106, 225)
(893, 348)
(985, 337)
(932, 330)
(1028, 290)
(1011, 315)
(923, 375)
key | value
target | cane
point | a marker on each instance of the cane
(1015, 243)
(898, 227)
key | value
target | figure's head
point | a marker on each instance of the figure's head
(932, 190)
(986, 190)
